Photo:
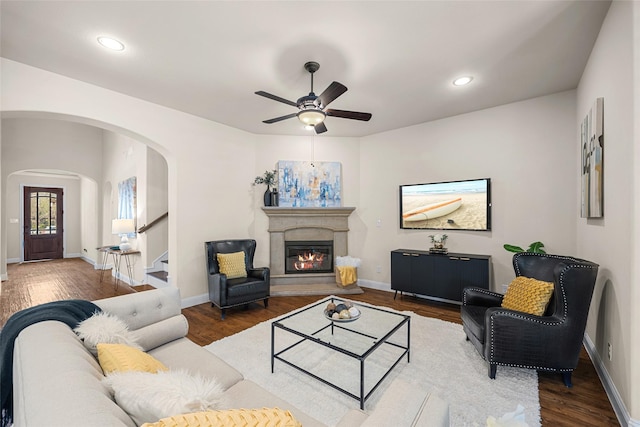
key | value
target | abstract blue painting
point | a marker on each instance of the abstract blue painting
(309, 184)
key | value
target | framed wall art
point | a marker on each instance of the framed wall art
(592, 146)
(309, 184)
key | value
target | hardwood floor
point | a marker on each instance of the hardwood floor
(585, 404)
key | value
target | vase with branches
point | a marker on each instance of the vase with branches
(269, 179)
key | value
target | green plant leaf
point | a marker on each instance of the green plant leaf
(536, 247)
(512, 248)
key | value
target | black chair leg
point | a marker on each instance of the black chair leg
(492, 371)
(223, 312)
(266, 302)
(566, 377)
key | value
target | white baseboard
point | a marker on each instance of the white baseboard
(126, 279)
(95, 265)
(609, 387)
(196, 300)
(4, 277)
(381, 286)
(73, 255)
(12, 261)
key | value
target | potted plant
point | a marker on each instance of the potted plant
(535, 247)
(268, 178)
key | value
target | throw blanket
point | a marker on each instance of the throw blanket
(70, 312)
(347, 275)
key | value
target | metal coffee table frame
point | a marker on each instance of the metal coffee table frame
(376, 343)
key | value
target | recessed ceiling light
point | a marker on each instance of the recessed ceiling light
(110, 43)
(461, 81)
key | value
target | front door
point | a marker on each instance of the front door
(42, 223)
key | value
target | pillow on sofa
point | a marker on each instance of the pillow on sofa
(528, 295)
(265, 417)
(148, 397)
(121, 357)
(232, 265)
(104, 327)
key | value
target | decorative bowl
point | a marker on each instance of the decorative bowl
(351, 319)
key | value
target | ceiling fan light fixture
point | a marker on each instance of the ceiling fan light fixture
(311, 117)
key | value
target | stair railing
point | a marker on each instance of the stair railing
(152, 223)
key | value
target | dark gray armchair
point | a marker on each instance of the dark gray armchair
(226, 293)
(551, 342)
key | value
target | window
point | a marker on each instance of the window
(44, 210)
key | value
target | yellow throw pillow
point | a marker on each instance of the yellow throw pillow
(528, 295)
(121, 357)
(265, 417)
(232, 265)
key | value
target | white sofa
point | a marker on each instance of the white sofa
(57, 381)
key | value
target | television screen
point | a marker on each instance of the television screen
(453, 205)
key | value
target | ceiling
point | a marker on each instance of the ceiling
(398, 59)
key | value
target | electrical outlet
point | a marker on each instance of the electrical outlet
(379, 223)
(609, 350)
(504, 288)
(378, 269)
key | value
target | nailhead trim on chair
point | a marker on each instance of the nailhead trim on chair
(564, 315)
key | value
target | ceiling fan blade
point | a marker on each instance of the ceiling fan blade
(355, 115)
(334, 90)
(276, 98)
(320, 128)
(278, 119)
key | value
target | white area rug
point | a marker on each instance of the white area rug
(442, 361)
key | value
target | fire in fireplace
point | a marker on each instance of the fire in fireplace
(308, 256)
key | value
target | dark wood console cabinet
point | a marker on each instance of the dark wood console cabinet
(438, 276)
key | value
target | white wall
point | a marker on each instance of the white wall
(122, 158)
(526, 148)
(156, 238)
(90, 219)
(201, 156)
(29, 144)
(610, 241)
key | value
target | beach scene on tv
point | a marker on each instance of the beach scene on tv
(460, 205)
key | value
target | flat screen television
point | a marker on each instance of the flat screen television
(451, 205)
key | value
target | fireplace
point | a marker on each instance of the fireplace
(307, 257)
(295, 225)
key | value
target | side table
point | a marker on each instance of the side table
(117, 255)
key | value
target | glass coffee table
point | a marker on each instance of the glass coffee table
(336, 351)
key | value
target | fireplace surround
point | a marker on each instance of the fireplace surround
(304, 225)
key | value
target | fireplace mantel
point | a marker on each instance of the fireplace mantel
(307, 212)
(305, 224)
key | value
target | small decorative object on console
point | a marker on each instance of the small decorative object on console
(438, 241)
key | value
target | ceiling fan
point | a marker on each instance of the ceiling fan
(313, 109)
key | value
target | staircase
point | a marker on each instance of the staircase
(158, 275)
